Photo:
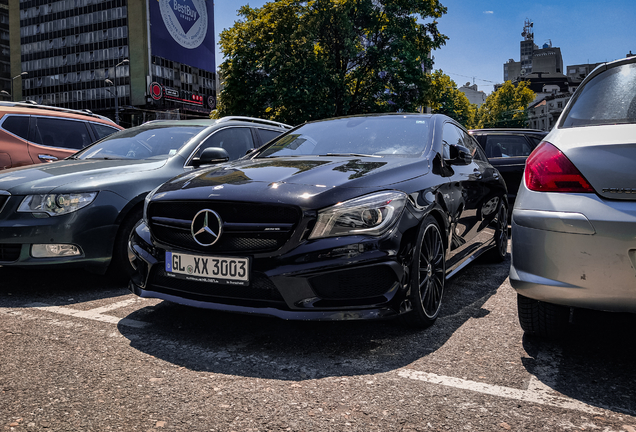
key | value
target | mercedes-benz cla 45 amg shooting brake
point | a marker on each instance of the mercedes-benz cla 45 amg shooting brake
(348, 218)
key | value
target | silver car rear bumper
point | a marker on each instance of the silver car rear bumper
(576, 250)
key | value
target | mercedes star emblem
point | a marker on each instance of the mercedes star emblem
(206, 227)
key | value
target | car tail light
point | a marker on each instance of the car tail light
(549, 170)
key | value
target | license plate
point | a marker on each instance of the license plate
(223, 270)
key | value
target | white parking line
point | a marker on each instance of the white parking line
(94, 314)
(539, 394)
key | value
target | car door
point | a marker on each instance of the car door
(54, 138)
(465, 192)
(14, 135)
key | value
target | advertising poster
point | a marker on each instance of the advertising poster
(183, 31)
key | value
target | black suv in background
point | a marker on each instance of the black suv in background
(507, 150)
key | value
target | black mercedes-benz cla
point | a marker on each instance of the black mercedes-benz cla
(347, 218)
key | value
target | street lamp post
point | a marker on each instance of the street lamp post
(109, 82)
(12, 80)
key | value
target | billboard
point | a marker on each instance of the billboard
(183, 31)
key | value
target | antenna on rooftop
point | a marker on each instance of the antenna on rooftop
(528, 33)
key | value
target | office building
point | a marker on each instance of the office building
(5, 57)
(157, 56)
(547, 59)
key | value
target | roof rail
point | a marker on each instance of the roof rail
(255, 120)
(34, 104)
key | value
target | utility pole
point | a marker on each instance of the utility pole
(109, 82)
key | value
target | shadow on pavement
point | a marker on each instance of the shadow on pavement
(595, 362)
(21, 287)
(270, 348)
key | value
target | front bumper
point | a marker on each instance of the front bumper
(91, 229)
(344, 278)
(577, 250)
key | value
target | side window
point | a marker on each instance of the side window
(266, 135)
(57, 132)
(236, 141)
(17, 125)
(471, 144)
(450, 135)
(507, 146)
(534, 140)
(102, 131)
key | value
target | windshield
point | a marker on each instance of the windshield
(402, 136)
(142, 142)
(609, 98)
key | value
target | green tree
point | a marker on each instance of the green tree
(294, 61)
(506, 107)
(445, 98)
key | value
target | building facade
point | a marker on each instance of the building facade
(157, 57)
(543, 113)
(5, 54)
(474, 95)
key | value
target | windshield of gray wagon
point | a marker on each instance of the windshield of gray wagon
(142, 142)
(401, 136)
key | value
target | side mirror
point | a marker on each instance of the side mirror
(211, 155)
(459, 155)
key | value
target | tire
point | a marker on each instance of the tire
(120, 268)
(542, 319)
(428, 276)
(499, 252)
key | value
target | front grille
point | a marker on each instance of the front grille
(365, 282)
(247, 227)
(260, 288)
(10, 252)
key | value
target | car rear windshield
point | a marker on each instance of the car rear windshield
(156, 142)
(609, 98)
(402, 136)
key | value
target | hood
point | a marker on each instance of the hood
(82, 175)
(289, 179)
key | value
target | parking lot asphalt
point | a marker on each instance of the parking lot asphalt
(80, 353)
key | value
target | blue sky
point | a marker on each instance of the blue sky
(483, 35)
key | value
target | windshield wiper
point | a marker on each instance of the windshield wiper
(352, 154)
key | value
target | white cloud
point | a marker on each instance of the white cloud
(489, 12)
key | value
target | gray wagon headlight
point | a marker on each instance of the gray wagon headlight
(56, 204)
(368, 215)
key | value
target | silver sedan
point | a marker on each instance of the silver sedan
(574, 220)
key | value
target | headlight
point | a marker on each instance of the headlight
(368, 215)
(56, 204)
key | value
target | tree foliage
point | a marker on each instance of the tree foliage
(294, 60)
(445, 98)
(506, 107)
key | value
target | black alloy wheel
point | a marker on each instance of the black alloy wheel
(428, 276)
(498, 253)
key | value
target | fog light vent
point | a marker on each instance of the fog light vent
(54, 250)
